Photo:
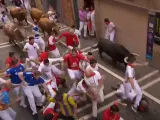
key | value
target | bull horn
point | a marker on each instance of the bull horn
(15, 29)
(125, 59)
(135, 54)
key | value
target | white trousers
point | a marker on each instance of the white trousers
(110, 36)
(94, 102)
(128, 90)
(73, 92)
(8, 114)
(55, 53)
(83, 25)
(19, 93)
(40, 43)
(93, 29)
(34, 97)
(57, 71)
(51, 91)
(75, 74)
(49, 75)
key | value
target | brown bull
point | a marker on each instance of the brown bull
(19, 13)
(13, 32)
(47, 25)
(36, 14)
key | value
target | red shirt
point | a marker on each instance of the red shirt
(9, 61)
(71, 39)
(73, 62)
(50, 111)
(78, 52)
(43, 56)
(107, 115)
(21, 62)
(52, 46)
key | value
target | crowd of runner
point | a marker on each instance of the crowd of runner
(44, 74)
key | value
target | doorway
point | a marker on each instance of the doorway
(155, 62)
(88, 3)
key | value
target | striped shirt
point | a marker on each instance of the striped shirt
(67, 105)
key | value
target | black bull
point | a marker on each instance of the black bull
(114, 50)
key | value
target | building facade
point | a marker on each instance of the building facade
(66, 10)
(135, 23)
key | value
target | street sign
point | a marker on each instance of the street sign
(150, 36)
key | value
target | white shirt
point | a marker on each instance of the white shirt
(32, 50)
(93, 81)
(88, 15)
(130, 72)
(80, 87)
(53, 18)
(47, 70)
(77, 33)
(27, 64)
(50, 12)
(110, 27)
(50, 40)
(93, 16)
(91, 68)
(5, 18)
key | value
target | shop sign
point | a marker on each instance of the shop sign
(150, 36)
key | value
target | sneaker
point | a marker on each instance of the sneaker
(23, 105)
(134, 109)
(34, 113)
(39, 107)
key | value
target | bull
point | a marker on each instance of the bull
(116, 51)
(47, 25)
(36, 14)
(19, 13)
(13, 33)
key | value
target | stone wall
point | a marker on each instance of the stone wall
(131, 24)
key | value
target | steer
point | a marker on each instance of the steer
(19, 13)
(47, 25)
(36, 14)
(13, 33)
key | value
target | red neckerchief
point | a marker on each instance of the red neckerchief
(131, 65)
(20, 61)
(84, 85)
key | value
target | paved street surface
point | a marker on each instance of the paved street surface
(148, 78)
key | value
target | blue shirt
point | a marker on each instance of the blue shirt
(4, 97)
(30, 80)
(13, 73)
(36, 31)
